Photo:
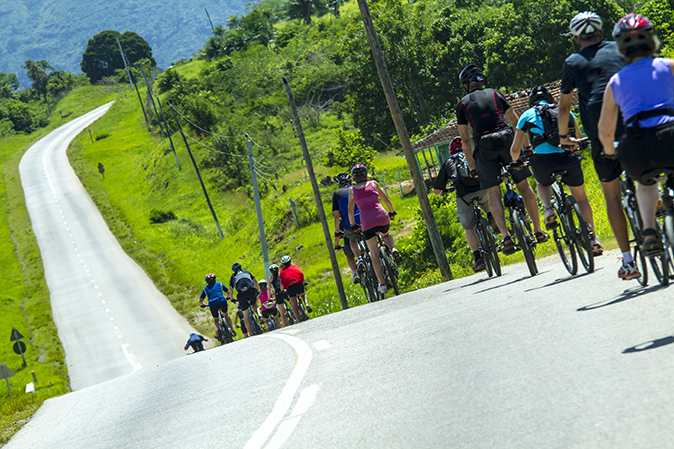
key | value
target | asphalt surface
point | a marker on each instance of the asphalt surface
(110, 317)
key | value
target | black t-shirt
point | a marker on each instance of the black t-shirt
(448, 172)
(339, 193)
(483, 110)
(590, 70)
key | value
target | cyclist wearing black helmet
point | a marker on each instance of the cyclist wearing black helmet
(342, 225)
(487, 113)
(589, 70)
(279, 293)
(215, 291)
(549, 157)
(246, 288)
(644, 92)
(455, 170)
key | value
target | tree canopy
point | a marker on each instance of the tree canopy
(102, 58)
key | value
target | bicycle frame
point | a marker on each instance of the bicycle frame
(486, 240)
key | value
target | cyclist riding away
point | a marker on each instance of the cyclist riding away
(589, 70)
(487, 113)
(548, 157)
(278, 292)
(342, 225)
(268, 308)
(373, 218)
(216, 293)
(246, 287)
(455, 170)
(195, 341)
(292, 280)
(644, 92)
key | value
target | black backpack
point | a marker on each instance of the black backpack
(243, 281)
(549, 116)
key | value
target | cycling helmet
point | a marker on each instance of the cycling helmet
(455, 146)
(471, 73)
(634, 30)
(273, 268)
(359, 173)
(343, 179)
(262, 283)
(540, 93)
(236, 266)
(585, 24)
(210, 278)
(285, 260)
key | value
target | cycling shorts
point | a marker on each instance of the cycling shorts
(197, 346)
(651, 150)
(465, 208)
(246, 299)
(367, 235)
(607, 169)
(348, 236)
(281, 297)
(269, 312)
(295, 289)
(545, 164)
(490, 164)
(218, 306)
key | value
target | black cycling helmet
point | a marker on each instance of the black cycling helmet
(471, 73)
(343, 179)
(210, 278)
(540, 93)
(236, 266)
(359, 173)
(634, 30)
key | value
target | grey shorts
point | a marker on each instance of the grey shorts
(349, 235)
(465, 208)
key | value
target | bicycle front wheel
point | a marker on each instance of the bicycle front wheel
(524, 241)
(640, 260)
(485, 249)
(581, 234)
(660, 263)
(567, 251)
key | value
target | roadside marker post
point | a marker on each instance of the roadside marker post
(6, 373)
(19, 346)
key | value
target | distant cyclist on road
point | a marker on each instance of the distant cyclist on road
(195, 341)
(487, 113)
(373, 218)
(292, 280)
(548, 158)
(246, 288)
(342, 225)
(455, 170)
(216, 293)
(278, 292)
(644, 92)
(268, 308)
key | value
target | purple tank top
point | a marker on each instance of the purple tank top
(642, 86)
(372, 213)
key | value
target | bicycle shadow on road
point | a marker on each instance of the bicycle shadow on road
(626, 295)
(650, 345)
(561, 280)
(514, 281)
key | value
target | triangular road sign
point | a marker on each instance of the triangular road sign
(5, 371)
(15, 335)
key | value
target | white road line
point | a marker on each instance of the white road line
(283, 432)
(321, 345)
(306, 400)
(132, 360)
(283, 402)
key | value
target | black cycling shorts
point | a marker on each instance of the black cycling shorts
(197, 346)
(219, 306)
(607, 169)
(545, 164)
(281, 297)
(295, 289)
(246, 299)
(367, 235)
(490, 165)
(651, 150)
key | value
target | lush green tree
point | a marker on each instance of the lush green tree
(350, 150)
(38, 72)
(20, 115)
(303, 9)
(60, 82)
(102, 58)
(661, 12)
(9, 83)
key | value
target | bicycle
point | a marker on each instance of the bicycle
(388, 266)
(368, 278)
(227, 336)
(520, 228)
(664, 222)
(486, 240)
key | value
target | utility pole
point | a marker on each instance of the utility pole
(151, 97)
(258, 208)
(203, 187)
(168, 133)
(128, 72)
(209, 20)
(396, 115)
(317, 196)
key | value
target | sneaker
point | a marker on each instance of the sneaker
(550, 218)
(629, 271)
(356, 277)
(382, 289)
(309, 309)
(508, 246)
(492, 223)
(597, 249)
(397, 257)
(360, 265)
(651, 247)
(479, 265)
(541, 237)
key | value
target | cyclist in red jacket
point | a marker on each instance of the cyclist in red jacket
(292, 281)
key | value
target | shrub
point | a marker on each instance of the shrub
(161, 216)
(349, 151)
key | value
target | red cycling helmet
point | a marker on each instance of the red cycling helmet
(634, 30)
(455, 146)
(210, 277)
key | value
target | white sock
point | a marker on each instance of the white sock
(627, 257)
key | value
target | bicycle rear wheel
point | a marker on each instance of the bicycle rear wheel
(660, 264)
(493, 247)
(372, 282)
(640, 260)
(483, 241)
(581, 234)
(524, 241)
(390, 269)
(563, 240)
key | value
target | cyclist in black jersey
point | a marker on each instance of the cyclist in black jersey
(487, 113)
(279, 294)
(589, 70)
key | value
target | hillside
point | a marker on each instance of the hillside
(58, 31)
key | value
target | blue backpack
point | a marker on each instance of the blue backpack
(344, 211)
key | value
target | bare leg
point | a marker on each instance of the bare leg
(376, 262)
(615, 213)
(471, 238)
(647, 197)
(584, 204)
(295, 308)
(497, 211)
(246, 319)
(530, 203)
(282, 311)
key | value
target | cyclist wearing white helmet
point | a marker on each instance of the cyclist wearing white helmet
(268, 308)
(292, 280)
(644, 91)
(589, 70)
(278, 292)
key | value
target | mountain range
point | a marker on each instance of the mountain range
(58, 30)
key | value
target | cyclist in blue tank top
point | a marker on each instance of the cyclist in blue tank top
(215, 291)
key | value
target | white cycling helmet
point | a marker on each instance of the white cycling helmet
(585, 24)
(285, 259)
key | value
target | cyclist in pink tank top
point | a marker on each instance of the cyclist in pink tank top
(374, 219)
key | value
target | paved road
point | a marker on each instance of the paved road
(514, 362)
(110, 317)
